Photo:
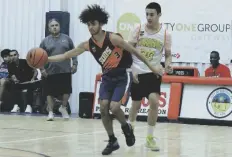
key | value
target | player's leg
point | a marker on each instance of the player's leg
(153, 97)
(122, 87)
(105, 94)
(136, 95)
(135, 106)
(106, 120)
(108, 125)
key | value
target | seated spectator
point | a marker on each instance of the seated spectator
(216, 69)
(3, 68)
(21, 77)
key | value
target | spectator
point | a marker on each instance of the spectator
(57, 75)
(3, 67)
(21, 77)
(216, 69)
(3, 70)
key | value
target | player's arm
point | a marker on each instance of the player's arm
(74, 59)
(167, 50)
(132, 43)
(117, 41)
(81, 48)
(133, 36)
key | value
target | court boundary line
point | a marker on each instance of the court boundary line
(29, 129)
(43, 155)
(60, 136)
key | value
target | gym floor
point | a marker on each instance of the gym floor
(33, 136)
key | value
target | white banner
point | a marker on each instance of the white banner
(163, 108)
(207, 102)
(197, 28)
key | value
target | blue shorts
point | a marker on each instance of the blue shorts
(116, 88)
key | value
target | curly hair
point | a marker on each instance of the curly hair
(92, 13)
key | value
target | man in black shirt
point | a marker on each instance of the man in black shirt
(21, 77)
(19, 70)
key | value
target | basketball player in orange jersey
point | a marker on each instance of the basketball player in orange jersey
(112, 53)
(151, 39)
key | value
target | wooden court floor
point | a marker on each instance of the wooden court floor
(31, 136)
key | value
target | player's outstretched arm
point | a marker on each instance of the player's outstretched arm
(81, 48)
(116, 40)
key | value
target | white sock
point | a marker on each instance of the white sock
(150, 130)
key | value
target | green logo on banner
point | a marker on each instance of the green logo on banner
(126, 23)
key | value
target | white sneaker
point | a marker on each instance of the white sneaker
(15, 109)
(28, 109)
(64, 112)
(50, 116)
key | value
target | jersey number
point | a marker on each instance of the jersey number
(117, 55)
(148, 54)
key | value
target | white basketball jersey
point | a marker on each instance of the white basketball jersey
(151, 46)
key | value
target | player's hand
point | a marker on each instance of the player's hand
(135, 78)
(74, 69)
(168, 69)
(159, 70)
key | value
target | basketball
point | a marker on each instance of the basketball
(37, 58)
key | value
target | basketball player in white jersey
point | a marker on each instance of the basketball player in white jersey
(151, 39)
